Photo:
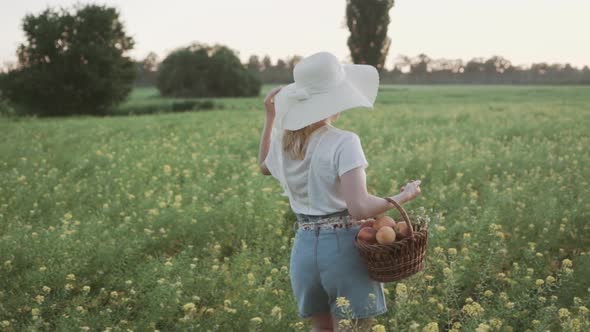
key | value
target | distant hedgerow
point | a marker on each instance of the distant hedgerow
(205, 71)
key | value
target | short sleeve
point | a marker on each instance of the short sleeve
(271, 161)
(350, 155)
(271, 157)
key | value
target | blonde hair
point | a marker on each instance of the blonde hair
(295, 142)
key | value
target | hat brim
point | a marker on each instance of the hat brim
(358, 89)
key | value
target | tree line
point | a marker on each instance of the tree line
(76, 61)
(420, 69)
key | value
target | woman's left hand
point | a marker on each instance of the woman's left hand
(269, 102)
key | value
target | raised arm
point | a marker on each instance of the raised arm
(361, 204)
(266, 131)
(264, 144)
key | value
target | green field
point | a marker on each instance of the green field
(163, 222)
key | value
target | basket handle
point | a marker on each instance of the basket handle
(404, 214)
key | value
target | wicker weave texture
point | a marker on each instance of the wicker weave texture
(400, 259)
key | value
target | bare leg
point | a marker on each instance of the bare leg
(322, 323)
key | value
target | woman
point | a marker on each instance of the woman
(322, 170)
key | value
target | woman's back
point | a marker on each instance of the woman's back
(313, 184)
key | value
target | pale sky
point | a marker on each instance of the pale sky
(524, 31)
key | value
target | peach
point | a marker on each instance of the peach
(384, 221)
(368, 235)
(402, 229)
(367, 224)
(385, 235)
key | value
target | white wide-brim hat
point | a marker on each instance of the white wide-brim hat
(323, 87)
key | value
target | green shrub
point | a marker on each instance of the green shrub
(5, 109)
(186, 105)
(72, 63)
(167, 107)
(204, 71)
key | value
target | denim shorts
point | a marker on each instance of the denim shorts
(325, 265)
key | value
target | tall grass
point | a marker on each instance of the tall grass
(163, 222)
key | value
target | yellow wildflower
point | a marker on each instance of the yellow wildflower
(483, 328)
(401, 290)
(378, 328)
(496, 323)
(344, 323)
(189, 307)
(447, 272)
(251, 279)
(563, 313)
(473, 309)
(276, 312)
(256, 320)
(431, 327)
(342, 302)
(503, 296)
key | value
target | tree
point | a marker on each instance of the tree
(200, 70)
(147, 70)
(475, 65)
(254, 63)
(496, 65)
(150, 63)
(266, 63)
(367, 21)
(403, 63)
(72, 62)
(281, 65)
(420, 64)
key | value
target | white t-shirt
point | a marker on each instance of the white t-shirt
(313, 184)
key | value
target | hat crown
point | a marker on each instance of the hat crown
(318, 71)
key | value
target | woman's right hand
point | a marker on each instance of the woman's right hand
(411, 190)
(269, 101)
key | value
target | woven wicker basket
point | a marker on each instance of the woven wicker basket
(399, 260)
